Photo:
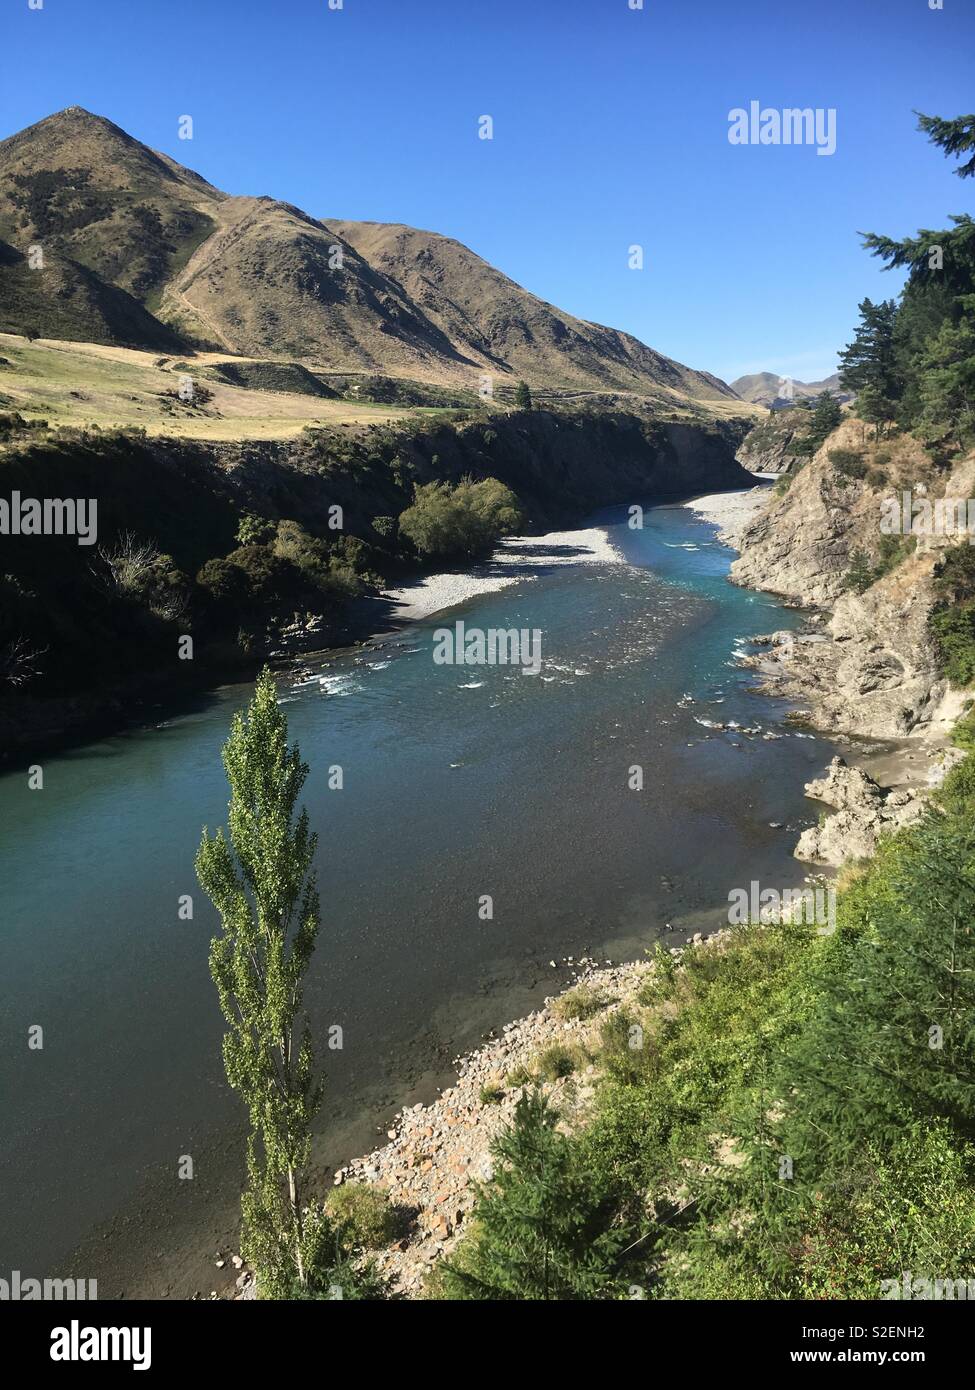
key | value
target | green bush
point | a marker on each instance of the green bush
(954, 634)
(557, 1061)
(461, 522)
(363, 1216)
(582, 1002)
(848, 463)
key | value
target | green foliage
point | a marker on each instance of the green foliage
(519, 1076)
(953, 629)
(952, 620)
(946, 369)
(544, 1228)
(891, 550)
(859, 576)
(254, 530)
(523, 396)
(824, 415)
(916, 362)
(894, 1010)
(848, 462)
(262, 882)
(582, 1002)
(557, 1061)
(363, 1216)
(460, 522)
(909, 1208)
(492, 1093)
(955, 137)
(870, 360)
(225, 584)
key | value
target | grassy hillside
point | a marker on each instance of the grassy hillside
(498, 324)
(85, 385)
(79, 184)
(258, 277)
(63, 299)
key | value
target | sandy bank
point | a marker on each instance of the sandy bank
(729, 511)
(517, 558)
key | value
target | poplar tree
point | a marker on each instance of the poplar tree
(262, 883)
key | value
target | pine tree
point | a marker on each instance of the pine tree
(523, 396)
(543, 1228)
(933, 373)
(870, 360)
(874, 408)
(262, 883)
(946, 385)
(954, 137)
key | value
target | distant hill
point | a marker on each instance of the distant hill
(156, 256)
(767, 388)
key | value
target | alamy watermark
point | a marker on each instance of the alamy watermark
(50, 516)
(23, 1289)
(495, 646)
(77, 1343)
(812, 906)
(916, 515)
(792, 125)
(907, 1286)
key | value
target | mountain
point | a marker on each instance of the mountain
(260, 277)
(503, 327)
(766, 388)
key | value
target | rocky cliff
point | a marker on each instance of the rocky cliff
(868, 664)
(769, 447)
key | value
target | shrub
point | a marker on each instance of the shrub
(460, 522)
(363, 1216)
(254, 530)
(492, 1093)
(557, 1061)
(859, 576)
(225, 584)
(848, 463)
(954, 634)
(582, 1002)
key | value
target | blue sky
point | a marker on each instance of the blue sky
(610, 129)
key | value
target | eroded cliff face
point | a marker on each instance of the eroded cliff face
(770, 446)
(868, 665)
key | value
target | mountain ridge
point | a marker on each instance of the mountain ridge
(258, 276)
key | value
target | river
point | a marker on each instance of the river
(457, 784)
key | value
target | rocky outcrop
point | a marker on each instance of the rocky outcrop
(862, 813)
(769, 447)
(871, 667)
